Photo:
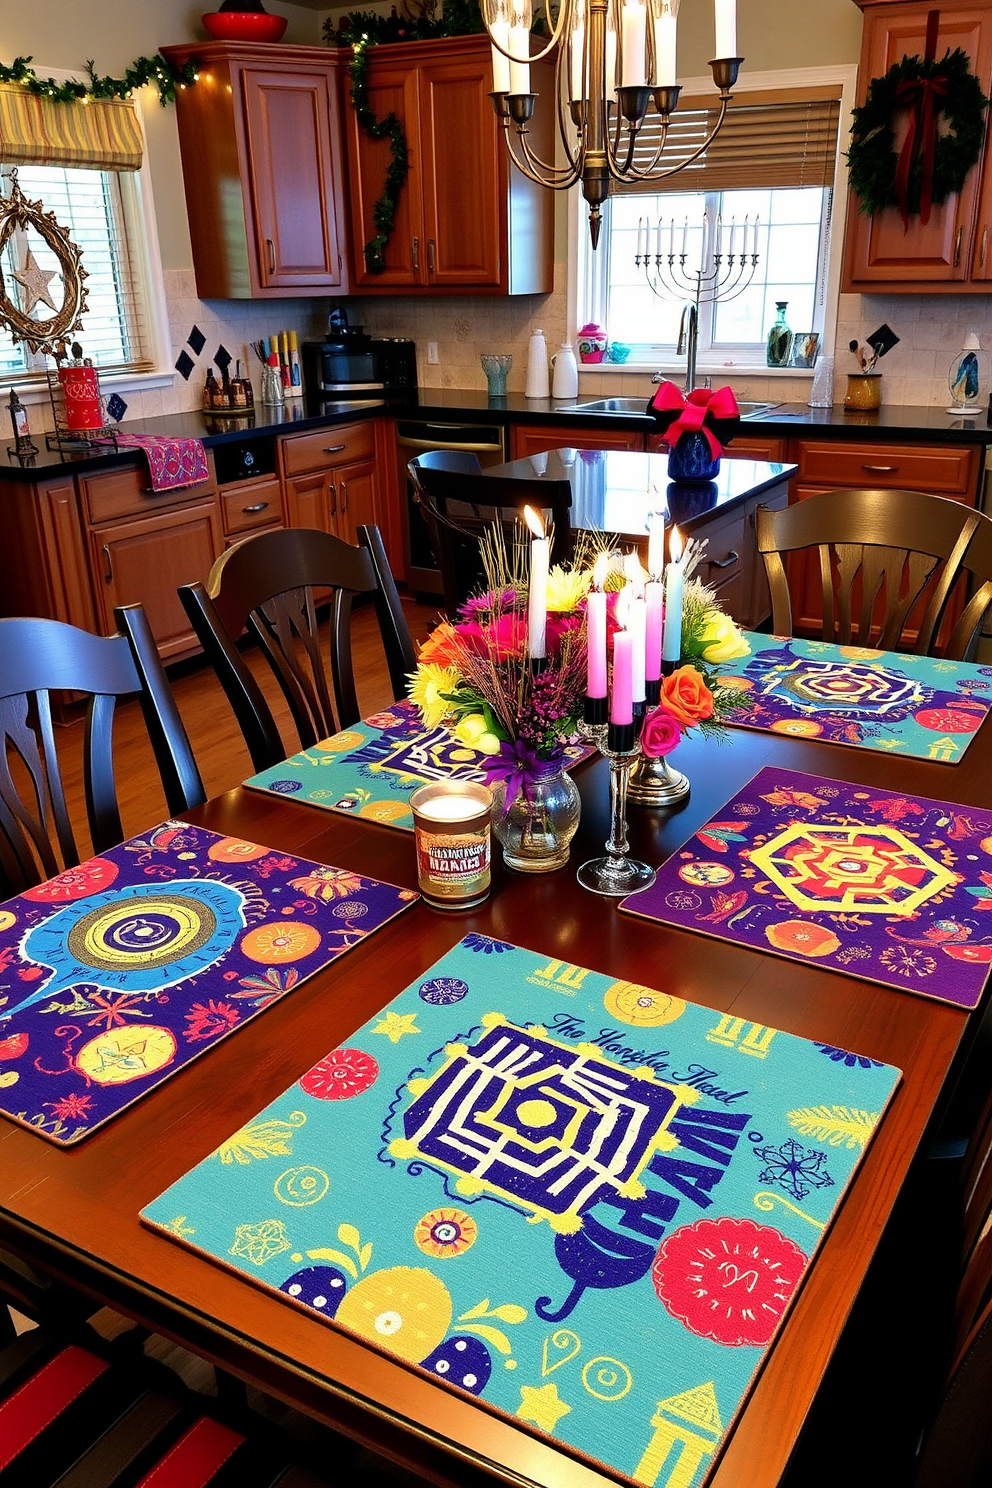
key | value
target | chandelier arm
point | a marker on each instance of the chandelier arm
(663, 176)
(544, 175)
(557, 177)
(643, 173)
(573, 156)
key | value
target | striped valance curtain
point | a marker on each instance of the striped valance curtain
(102, 134)
(773, 138)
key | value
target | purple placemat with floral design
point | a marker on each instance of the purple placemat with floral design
(115, 974)
(886, 887)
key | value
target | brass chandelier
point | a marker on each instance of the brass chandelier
(614, 58)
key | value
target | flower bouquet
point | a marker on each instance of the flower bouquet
(479, 678)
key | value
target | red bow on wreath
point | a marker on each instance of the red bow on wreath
(714, 413)
(921, 96)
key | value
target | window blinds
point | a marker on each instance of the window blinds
(767, 139)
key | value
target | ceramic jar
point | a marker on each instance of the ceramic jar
(591, 342)
(864, 391)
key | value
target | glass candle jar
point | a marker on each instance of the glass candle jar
(451, 829)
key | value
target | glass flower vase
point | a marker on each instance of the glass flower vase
(535, 831)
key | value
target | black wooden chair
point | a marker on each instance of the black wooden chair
(266, 585)
(903, 549)
(459, 503)
(38, 657)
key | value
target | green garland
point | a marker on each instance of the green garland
(872, 158)
(360, 30)
(145, 70)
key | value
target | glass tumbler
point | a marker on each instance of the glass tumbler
(496, 367)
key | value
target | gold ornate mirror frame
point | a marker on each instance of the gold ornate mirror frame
(49, 335)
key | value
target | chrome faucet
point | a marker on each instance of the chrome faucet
(687, 343)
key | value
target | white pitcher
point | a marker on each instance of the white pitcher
(538, 381)
(566, 372)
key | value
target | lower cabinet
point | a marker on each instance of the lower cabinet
(331, 480)
(532, 439)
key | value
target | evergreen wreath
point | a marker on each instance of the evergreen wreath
(144, 70)
(872, 158)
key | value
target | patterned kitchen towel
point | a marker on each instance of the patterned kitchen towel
(886, 887)
(910, 705)
(172, 463)
(586, 1203)
(115, 974)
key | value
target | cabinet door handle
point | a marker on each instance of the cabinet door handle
(431, 257)
(957, 245)
(272, 255)
(258, 506)
(984, 247)
(108, 565)
(416, 253)
(333, 493)
(344, 496)
(333, 449)
(881, 469)
(728, 562)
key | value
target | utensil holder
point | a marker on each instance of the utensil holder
(864, 391)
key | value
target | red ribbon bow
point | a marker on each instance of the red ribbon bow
(696, 413)
(921, 97)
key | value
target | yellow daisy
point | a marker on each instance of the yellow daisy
(565, 588)
(427, 684)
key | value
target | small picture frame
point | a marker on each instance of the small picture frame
(805, 345)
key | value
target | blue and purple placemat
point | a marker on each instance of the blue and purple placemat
(886, 887)
(586, 1203)
(908, 705)
(373, 769)
(117, 973)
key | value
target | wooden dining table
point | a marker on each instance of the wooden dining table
(74, 1213)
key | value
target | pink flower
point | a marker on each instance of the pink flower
(558, 626)
(504, 637)
(660, 732)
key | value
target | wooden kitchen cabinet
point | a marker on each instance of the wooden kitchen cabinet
(953, 252)
(748, 447)
(260, 135)
(330, 479)
(467, 222)
(531, 439)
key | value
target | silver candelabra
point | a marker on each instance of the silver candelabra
(669, 278)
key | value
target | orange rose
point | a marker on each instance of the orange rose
(686, 695)
(442, 646)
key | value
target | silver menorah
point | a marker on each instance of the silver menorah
(669, 278)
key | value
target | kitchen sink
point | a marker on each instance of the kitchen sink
(639, 405)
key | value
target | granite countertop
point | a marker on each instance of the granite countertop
(891, 422)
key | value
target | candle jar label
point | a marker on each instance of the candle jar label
(452, 834)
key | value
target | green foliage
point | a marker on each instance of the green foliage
(872, 158)
(144, 70)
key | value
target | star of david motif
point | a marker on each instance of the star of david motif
(870, 869)
(541, 1125)
(870, 692)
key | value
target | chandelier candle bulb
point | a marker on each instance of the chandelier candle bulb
(666, 71)
(519, 70)
(500, 33)
(725, 26)
(671, 644)
(537, 595)
(633, 35)
(611, 57)
(577, 63)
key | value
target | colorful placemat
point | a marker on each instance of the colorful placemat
(909, 705)
(889, 888)
(373, 769)
(117, 973)
(587, 1203)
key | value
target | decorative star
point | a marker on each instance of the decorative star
(543, 1406)
(35, 280)
(395, 1025)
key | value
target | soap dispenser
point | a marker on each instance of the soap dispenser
(565, 383)
(538, 380)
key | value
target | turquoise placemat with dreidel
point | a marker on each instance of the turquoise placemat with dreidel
(373, 769)
(586, 1203)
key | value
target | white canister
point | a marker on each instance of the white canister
(538, 379)
(565, 383)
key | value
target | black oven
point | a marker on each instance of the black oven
(359, 365)
(487, 441)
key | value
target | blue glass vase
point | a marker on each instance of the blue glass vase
(690, 459)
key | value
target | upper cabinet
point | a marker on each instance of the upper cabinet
(953, 252)
(467, 221)
(260, 136)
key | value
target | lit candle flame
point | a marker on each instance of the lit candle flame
(675, 545)
(623, 606)
(656, 544)
(599, 571)
(533, 521)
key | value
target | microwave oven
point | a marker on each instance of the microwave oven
(359, 365)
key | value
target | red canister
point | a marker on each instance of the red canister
(81, 388)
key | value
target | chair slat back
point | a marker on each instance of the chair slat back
(270, 586)
(459, 503)
(899, 546)
(37, 657)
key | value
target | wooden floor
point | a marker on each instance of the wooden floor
(216, 739)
